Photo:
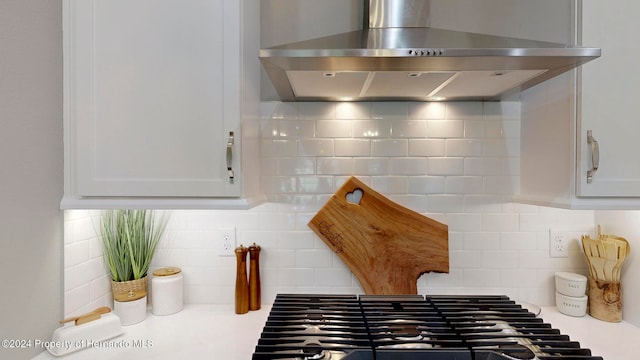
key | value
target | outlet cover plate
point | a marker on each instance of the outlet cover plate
(559, 243)
(227, 242)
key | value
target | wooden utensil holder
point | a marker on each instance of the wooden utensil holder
(605, 300)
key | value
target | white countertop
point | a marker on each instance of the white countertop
(196, 332)
(215, 331)
(612, 341)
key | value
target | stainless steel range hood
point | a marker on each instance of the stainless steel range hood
(397, 57)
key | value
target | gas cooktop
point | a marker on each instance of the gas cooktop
(407, 327)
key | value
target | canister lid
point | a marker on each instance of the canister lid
(166, 271)
(130, 296)
(571, 276)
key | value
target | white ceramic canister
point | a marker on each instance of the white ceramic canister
(167, 291)
(571, 305)
(571, 284)
(132, 311)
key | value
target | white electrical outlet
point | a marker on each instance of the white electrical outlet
(227, 242)
(558, 243)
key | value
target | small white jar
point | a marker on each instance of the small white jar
(571, 284)
(167, 291)
(570, 305)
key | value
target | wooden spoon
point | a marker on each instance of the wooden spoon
(586, 248)
(595, 260)
(623, 251)
(612, 249)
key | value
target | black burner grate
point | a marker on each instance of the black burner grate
(371, 327)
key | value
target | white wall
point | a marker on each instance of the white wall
(455, 162)
(30, 172)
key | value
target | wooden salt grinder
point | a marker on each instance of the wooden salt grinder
(242, 286)
(254, 277)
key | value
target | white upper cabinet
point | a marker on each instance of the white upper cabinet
(599, 99)
(609, 100)
(155, 102)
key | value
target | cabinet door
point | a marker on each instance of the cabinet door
(153, 89)
(609, 99)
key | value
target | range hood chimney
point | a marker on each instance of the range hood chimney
(397, 57)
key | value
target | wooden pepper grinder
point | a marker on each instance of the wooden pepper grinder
(242, 286)
(254, 277)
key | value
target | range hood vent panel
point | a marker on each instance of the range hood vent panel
(360, 60)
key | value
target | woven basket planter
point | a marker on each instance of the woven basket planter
(129, 290)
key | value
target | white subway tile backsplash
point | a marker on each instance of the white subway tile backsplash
(371, 166)
(426, 184)
(427, 110)
(464, 185)
(389, 147)
(483, 203)
(408, 166)
(506, 110)
(426, 147)
(463, 259)
(517, 277)
(463, 222)
(390, 184)
(295, 276)
(278, 148)
(315, 258)
(293, 129)
(409, 129)
(334, 129)
(474, 129)
(469, 110)
(335, 166)
(371, 128)
(493, 259)
(483, 166)
(295, 240)
(270, 127)
(457, 163)
(500, 222)
(352, 110)
(316, 110)
(390, 110)
(333, 277)
(445, 128)
(445, 166)
(481, 278)
(481, 241)
(296, 166)
(279, 110)
(501, 184)
(352, 147)
(445, 203)
(463, 147)
(507, 147)
(76, 253)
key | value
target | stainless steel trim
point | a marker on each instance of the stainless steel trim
(397, 13)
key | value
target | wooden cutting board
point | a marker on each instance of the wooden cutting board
(386, 246)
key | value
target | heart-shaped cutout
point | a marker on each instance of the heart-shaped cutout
(355, 196)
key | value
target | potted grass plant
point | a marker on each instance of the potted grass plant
(129, 241)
